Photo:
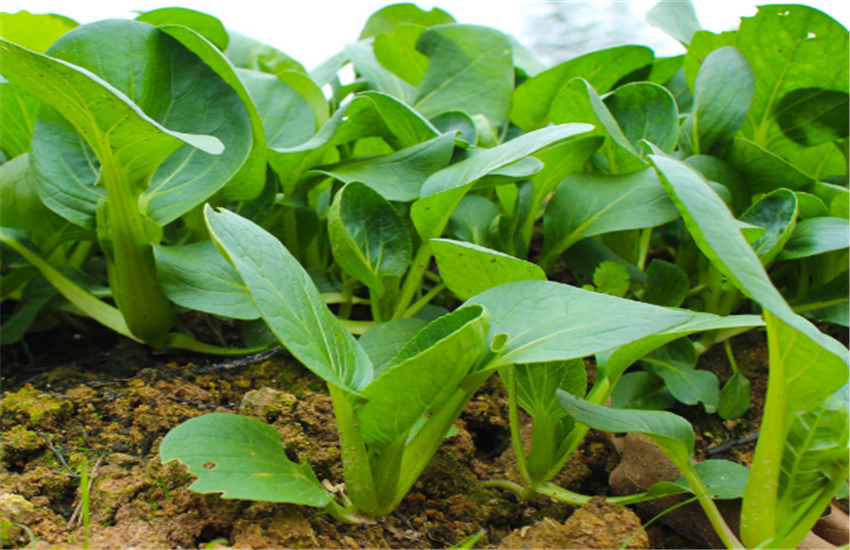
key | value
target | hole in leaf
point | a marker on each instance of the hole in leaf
(785, 13)
(811, 35)
(209, 465)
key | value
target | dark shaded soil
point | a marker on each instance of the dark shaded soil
(108, 413)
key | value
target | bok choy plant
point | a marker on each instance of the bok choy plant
(801, 459)
(392, 412)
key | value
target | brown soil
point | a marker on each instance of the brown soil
(108, 414)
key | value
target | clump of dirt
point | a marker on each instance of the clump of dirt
(597, 524)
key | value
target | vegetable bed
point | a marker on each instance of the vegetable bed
(249, 305)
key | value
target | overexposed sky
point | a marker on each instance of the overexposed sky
(313, 30)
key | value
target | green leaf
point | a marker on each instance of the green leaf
(734, 397)
(672, 433)
(369, 239)
(591, 204)
(641, 390)
(290, 303)
(241, 457)
(427, 370)
(35, 296)
(579, 102)
(812, 116)
(19, 114)
(288, 119)
(602, 69)
(363, 58)
(789, 48)
(724, 479)
(472, 218)
(442, 191)
(645, 111)
(763, 170)
(383, 341)
(701, 46)
(716, 170)
(34, 31)
(215, 289)
(611, 278)
(814, 466)
(666, 284)
(810, 206)
(20, 206)
(776, 212)
(711, 224)
(722, 95)
(546, 321)
(396, 51)
(247, 53)
(452, 121)
(817, 236)
(388, 18)
(665, 68)
(839, 206)
(469, 269)
(471, 69)
(399, 176)
(204, 24)
(676, 364)
(678, 19)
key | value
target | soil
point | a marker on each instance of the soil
(93, 401)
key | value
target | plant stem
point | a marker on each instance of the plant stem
(176, 340)
(643, 247)
(727, 345)
(508, 376)
(709, 507)
(423, 301)
(414, 279)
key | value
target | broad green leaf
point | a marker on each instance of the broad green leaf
(428, 369)
(672, 433)
(399, 176)
(591, 204)
(472, 218)
(666, 284)
(383, 341)
(724, 479)
(579, 102)
(777, 213)
(247, 53)
(810, 206)
(586, 255)
(20, 110)
(790, 47)
(471, 69)
(645, 111)
(722, 95)
(452, 121)
(388, 18)
(817, 236)
(249, 181)
(830, 302)
(396, 51)
(561, 161)
(812, 116)
(442, 191)
(718, 171)
(215, 288)
(839, 206)
(34, 31)
(611, 278)
(469, 269)
(288, 119)
(641, 390)
(676, 18)
(545, 321)
(204, 24)
(676, 364)
(665, 68)
(362, 56)
(814, 466)
(369, 239)
(734, 397)
(241, 457)
(616, 362)
(763, 170)
(533, 99)
(289, 302)
(701, 46)
(20, 206)
(524, 59)
(367, 115)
